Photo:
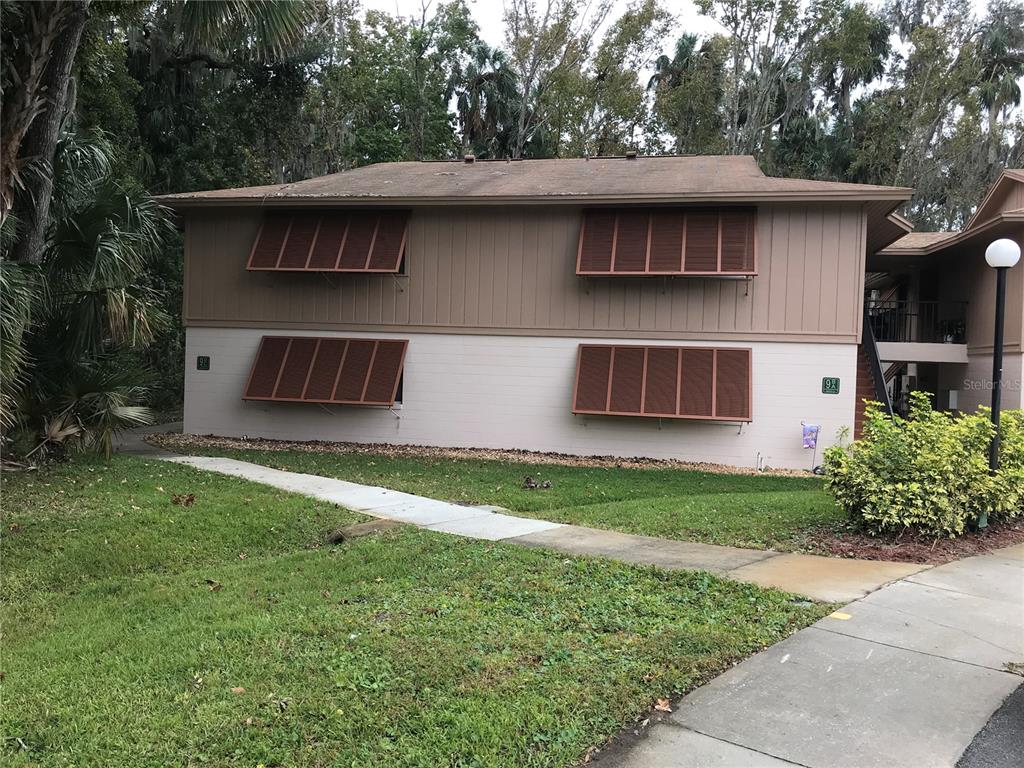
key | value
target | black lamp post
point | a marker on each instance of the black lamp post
(1000, 255)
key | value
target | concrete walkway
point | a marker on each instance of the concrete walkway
(820, 578)
(903, 677)
(443, 516)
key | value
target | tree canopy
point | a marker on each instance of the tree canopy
(194, 94)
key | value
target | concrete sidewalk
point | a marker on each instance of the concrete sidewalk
(904, 677)
(443, 516)
(820, 578)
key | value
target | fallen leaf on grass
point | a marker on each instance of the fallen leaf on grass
(215, 586)
(662, 705)
(237, 690)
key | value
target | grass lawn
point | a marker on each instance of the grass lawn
(761, 511)
(141, 632)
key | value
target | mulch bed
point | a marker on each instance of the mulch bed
(175, 441)
(914, 549)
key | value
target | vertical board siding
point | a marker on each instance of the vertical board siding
(514, 269)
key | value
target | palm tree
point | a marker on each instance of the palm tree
(688, 91)
(852, 54)
(670, 73)
(1001, 54)
(39, 45)
(78, 319)
(486, 96)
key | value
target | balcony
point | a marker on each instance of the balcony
(919, 331)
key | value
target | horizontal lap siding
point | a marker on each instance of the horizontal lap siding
(513, 270)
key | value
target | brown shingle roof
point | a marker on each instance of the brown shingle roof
(608, 179)
(914, 241)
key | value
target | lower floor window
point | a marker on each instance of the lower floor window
(327, 370)
(664, 382)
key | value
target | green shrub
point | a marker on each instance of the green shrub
(928, 473)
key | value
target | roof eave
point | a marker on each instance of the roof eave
(894, 194)
(959, 237)
(1005, 176)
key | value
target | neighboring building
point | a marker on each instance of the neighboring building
(683, 307)
(932, 307)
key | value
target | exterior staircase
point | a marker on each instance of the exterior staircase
(866, 389)
(870, 378)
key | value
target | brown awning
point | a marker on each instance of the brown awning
(308, 369)
(664, 382)
(330, 241)
(667, 241)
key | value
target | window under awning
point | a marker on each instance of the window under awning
(667, 241)
(330, 241)
(664, 382)
(309, 369)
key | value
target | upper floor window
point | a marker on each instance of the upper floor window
(667, 241)
(331, 241)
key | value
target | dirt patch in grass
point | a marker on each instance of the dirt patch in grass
(914, 549)
(173, 441)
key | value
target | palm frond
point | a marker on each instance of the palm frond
(263, 27)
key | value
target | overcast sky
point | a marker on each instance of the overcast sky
(488, 14)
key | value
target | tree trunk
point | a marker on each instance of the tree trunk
(994, 138)
(32, 203)
(23, 101)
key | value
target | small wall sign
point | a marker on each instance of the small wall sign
(830, 385)
(203, 363)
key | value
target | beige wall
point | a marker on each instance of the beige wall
(966, 277)
(512, 271)
(516, 392)
(976, 386)
(1009, 196)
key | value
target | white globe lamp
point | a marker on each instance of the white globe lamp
(1002, 253)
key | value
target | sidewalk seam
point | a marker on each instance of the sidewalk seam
(910, 578)
(734, 743)
(914, 650)
(939, 623)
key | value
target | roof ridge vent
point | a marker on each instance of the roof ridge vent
(469, 158)
(631, 154)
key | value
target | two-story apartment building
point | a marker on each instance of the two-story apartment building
(683, 307)
(931, 303)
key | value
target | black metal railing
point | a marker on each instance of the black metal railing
(870, 347)
(931, 322)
